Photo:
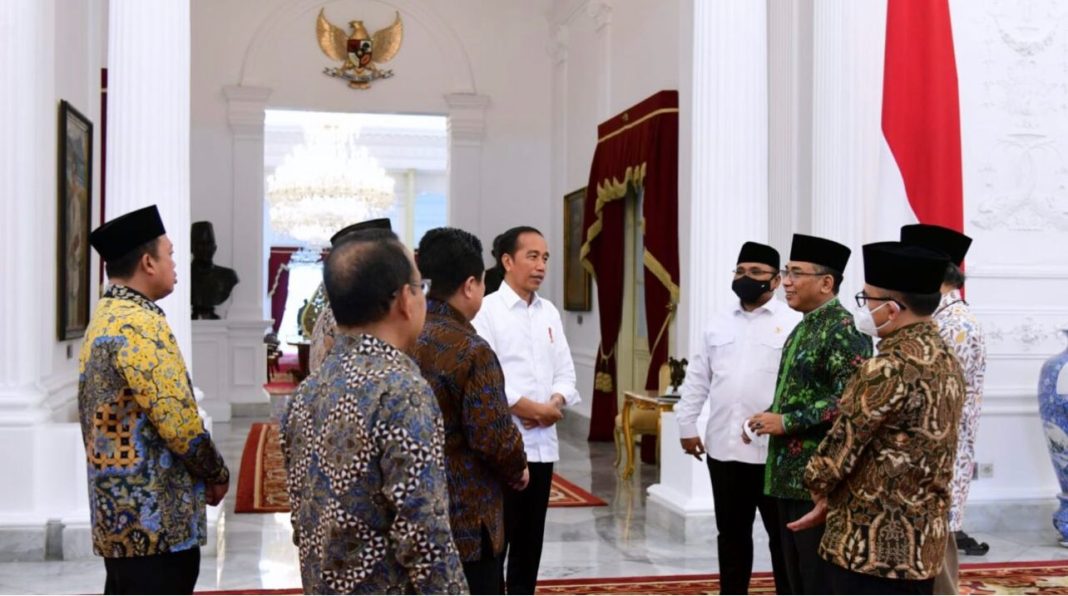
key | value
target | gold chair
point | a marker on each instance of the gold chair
(637, 418)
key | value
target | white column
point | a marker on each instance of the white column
(27, 155)
(600, 11)
(467, 125)
(246, 109)
(42, 456)
(789, 121)
(148, 129)
(847, 99)
(729, 195)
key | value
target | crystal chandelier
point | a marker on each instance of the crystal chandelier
(325, 184)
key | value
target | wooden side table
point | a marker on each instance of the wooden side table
(303, 353)
(641, 413)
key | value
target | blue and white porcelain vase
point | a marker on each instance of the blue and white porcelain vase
(1053, 407)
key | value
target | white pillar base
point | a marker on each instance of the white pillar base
(230, 360)
(50, 462)
(684, 484)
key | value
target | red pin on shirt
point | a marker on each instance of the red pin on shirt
(550, 335)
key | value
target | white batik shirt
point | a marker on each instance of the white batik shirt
(962, 333)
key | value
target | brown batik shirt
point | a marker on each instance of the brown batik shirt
(483, 448)
(887, 463)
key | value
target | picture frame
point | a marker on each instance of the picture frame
(577, 281)
(75, 192)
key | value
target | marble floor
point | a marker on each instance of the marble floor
(617, 540)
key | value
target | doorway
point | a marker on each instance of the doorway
(396, 165)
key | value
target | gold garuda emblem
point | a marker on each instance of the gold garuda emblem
(359, 53)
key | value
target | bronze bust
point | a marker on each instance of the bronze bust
(211, 284)
(678, 371)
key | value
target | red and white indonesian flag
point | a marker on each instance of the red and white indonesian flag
(920, 170)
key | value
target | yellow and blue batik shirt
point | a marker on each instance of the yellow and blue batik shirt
(148, 453)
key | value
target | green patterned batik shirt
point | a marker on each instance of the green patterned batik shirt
(819, 357)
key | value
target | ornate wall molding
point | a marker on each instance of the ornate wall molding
(467, 117)
(245, 109)
(558, 44)
(1022, 174)
(1017, 272)
(601, 12)
(1027, 334)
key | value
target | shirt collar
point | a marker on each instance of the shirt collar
(950, 297)
(367, 345)
(905, 333)
(444, 309)
(511, 298)
(829, 305)
(771, 306)
(120, 292)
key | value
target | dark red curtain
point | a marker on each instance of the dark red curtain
(278, 281)
(637, 151)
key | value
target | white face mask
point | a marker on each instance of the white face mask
(866, 323)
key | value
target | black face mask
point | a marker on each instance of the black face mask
(749, 289)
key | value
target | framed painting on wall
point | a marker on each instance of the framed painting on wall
(75, 173)
(577, 282)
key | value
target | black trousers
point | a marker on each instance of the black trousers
(169, 573)
(805, 569)
(484, 575)
(738, 491)
(845, 581)
(524, 529)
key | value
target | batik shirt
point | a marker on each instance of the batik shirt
(964, 336)
(322, 338)
(818, 358)
(887, 463)
(483, 448)
(363, 445)
(148, 452)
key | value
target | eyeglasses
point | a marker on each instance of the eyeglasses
(796, 273)
(862, 300)
(754, 272)
(423, 284)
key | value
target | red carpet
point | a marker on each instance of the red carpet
(564, 494)
(280, 387)
(261, 483)
(1039, 577)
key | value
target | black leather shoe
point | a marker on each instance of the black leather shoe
(969, 546)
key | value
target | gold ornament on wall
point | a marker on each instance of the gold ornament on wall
(359, 53)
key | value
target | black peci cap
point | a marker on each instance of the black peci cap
(951, 242)
(121, 235)
(812, 249)
(381, 223)
(753, 252)
(904, 267)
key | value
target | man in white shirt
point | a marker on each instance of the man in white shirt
(735, 373)
(527, 334)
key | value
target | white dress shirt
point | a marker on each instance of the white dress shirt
(735, 371)
(530, 344)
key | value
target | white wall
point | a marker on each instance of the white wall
(607, 57)
(494, 49)
(1012, 65)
